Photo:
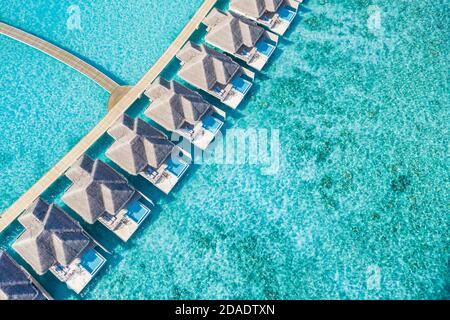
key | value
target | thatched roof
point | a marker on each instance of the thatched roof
(173, 104)
(205, 67)
(51, 237)
(255, 8)
(138, 145)
(15, 282)
(97, 189)
(230, 33)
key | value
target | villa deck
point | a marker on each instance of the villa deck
(81, 271)
(202, 134)
(168, 175)
(210, 127)
(240, 88)
(128, 221)
(183, 111)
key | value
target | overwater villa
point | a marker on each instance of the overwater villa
(99, 193)
(141, 149)
(53, 241)
(215, 73)
(183, 111)
(276, 15)
(16, 283)
(240, 37)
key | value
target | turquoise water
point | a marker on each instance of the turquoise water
(359, 208)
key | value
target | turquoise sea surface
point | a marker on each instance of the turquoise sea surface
(359, 208)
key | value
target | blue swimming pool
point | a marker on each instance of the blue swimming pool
(178, 168)
(92, 261)
(241, 85)
(287, 14)
(138, 212)
(357, 207)
(265, 48)
(212, 124)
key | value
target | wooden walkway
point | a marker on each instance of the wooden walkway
(59, 54)
(7, 217)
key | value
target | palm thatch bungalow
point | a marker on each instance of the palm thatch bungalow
(99, 193)
(53, 241)
(16, 283)
(240, 37)
(276, 15)
(214, 73)
(182, 111)
(141, 149)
